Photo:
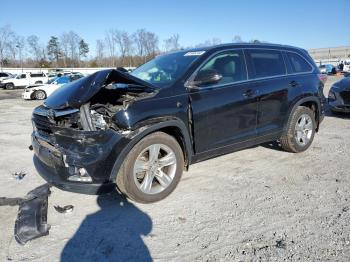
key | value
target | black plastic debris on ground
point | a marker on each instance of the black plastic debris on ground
(65, 209)
(32, 215)
(19, 175)
(281, 244)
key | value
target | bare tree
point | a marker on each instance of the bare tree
(12, 47)
(110, 44)
(20, 44)
(70, 47)
(124, 42)
(255, 41)
(99, 51)
(210, 42)
(140, 39)
(73, 43)
(237, 39)
(6, 34)
(64, 46)
(151, 44)
(34, 47)
(172, 43)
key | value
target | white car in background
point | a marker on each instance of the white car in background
(4, 75)
(23, 80)
(40, 92)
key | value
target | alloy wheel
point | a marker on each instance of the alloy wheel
(155, 168)
(303, 130)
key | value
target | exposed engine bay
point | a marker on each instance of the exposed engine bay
(116, 93)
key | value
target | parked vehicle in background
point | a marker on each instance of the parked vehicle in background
(40, 92)
(326, 68)
(54, 75)
(346, 65)
(141, 130)
(4, 75)
(23, 80)
(339, 96)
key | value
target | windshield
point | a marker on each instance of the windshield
(62, 80)
(52, 80)
(166, 69)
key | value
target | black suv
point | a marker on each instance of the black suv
(139, 131)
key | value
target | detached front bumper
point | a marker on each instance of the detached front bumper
(58, 161)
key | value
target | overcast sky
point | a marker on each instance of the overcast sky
(307, 24)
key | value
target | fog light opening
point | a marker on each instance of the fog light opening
(79, 174)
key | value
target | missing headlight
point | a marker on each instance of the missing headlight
(98, 120)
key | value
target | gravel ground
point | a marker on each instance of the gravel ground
(258, 204)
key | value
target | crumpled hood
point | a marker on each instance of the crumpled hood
(81, 91)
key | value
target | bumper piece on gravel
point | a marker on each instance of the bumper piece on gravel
(31, 221)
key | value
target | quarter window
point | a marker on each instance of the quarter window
(265, 63)
(230, 65)
(298, 63)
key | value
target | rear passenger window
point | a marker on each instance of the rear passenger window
(298, 63)
(230, 65)
(265, 63)
(37, 75)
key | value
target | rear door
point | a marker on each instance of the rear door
(224, 113)
(267, 70)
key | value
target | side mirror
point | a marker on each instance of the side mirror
(205, 77)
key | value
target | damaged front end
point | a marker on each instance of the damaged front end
(76, 138)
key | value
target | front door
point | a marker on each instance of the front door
(22, 80)
(224, 112)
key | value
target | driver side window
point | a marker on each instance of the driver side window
(230, 65)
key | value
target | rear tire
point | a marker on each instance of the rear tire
(300, 131)
(39, 95)
(152, 169)
(10, 86)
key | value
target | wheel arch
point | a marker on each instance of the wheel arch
(311, 102)
(37, 90)
(174, 127)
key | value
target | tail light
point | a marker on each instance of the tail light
(322, 77)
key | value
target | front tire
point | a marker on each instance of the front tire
(39, 95)
(300, 131)
(152, 169)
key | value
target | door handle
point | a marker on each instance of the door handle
(250, 93)
(293, 84)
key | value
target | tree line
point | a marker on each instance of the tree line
(69, 49)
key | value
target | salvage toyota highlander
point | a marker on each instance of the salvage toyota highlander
(139, 131)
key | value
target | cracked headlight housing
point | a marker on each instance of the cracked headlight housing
(98, 120)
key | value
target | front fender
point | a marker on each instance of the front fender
(150, 126)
